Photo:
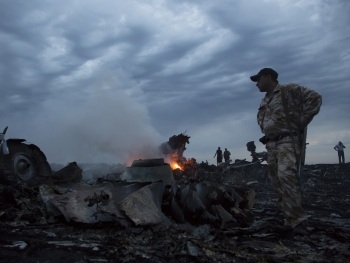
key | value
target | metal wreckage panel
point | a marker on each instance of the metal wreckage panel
(200, 203)
(148, 204)
(123, 203)
(150, 201)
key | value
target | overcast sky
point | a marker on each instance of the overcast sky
(110, 80)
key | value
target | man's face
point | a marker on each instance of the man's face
(263, 83)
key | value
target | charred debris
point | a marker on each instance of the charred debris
(147, 195)
(151, 212)
(144, 194)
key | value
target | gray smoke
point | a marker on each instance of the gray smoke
(106, 122)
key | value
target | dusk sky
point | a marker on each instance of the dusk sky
(110, 80)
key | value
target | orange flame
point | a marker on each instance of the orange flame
(175, 165)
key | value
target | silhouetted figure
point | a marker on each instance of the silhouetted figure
(227, 155)
(340, 149)
(218, 155)
(251, 148)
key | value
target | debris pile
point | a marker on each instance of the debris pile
(148, 195)
(205, 215)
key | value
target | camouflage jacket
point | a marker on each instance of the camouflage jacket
(302, 105)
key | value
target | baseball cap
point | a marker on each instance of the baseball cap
(265, 71)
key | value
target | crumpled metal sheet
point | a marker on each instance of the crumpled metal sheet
(200, 203)
(124, 203)
(143, 207)
(145, 203)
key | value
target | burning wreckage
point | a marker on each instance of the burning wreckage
(146, 193)
(150, 212)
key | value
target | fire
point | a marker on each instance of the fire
(175, 165)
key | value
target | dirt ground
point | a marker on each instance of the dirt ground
(326, 197)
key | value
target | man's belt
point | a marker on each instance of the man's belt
(281, 136)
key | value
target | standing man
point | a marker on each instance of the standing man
(340, 149)
(218, 155)
(227, 155)
(283, 116)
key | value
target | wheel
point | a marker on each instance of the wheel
(27, 163)
(23, 166)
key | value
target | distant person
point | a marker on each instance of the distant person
(218, 155)
(340, 149)
(227, 155)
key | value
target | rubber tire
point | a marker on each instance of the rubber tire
(26, 163)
